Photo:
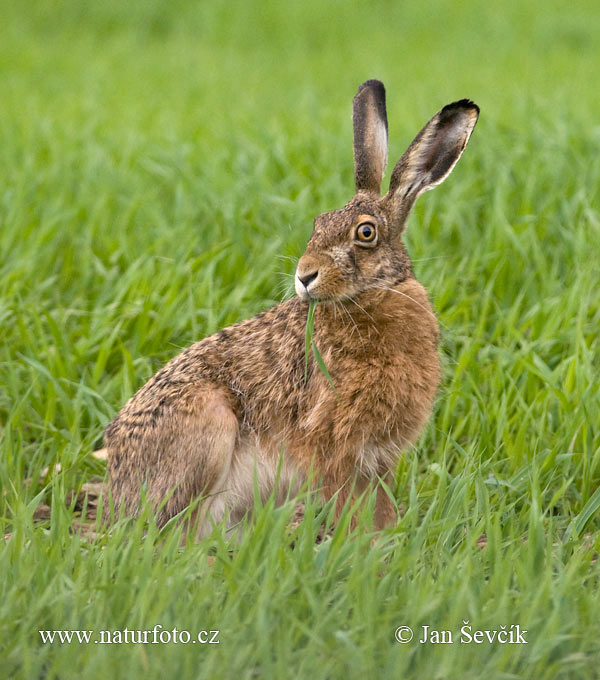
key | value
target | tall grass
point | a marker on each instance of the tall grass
(160, 167)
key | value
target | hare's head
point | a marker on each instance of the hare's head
(359, 247)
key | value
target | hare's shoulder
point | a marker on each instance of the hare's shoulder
(257, 357)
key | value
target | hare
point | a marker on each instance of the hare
(237, 406)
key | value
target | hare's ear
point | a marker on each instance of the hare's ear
(370, 136)
(432, 155)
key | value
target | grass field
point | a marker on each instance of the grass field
(159, 164)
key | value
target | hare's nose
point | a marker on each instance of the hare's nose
(307, 279)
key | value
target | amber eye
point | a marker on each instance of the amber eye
(365, 232)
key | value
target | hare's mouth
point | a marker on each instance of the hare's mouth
(306, 286)
(321, 285)
(313, 291)
(308, 295)
(310, 292)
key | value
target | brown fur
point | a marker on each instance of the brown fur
(237, 404)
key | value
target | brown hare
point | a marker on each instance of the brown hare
(237, 406)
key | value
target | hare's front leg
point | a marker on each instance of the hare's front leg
(385, 509)
(349, 487)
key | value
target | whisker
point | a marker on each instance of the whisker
(425, 259)
(362, 309)
(293, 260)
(399, 292)
(336, 303)
(285, 290)
(353, 323)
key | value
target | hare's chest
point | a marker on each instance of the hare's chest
(386, 404)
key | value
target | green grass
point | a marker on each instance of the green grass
(159, 164)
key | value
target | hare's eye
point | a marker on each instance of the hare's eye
(365, 232)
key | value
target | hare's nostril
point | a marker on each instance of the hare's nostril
(307, 279)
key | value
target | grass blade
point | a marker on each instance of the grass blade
(589, 509)
(323, 367)
(310, 326)
(309, 344)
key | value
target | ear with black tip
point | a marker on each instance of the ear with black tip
(370, 136)
(432, 155)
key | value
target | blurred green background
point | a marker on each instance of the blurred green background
(160, 163)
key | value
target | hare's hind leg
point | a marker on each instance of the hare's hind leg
(203, 450)
(179, 452)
